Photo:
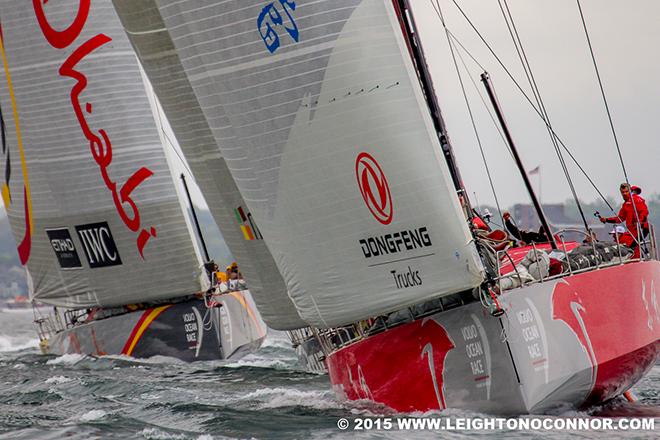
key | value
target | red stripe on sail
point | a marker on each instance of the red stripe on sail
(26, 244)
(240, 211)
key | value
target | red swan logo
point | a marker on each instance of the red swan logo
(374, 188)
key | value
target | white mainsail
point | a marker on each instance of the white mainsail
(319, 114)
(85, 180)
(155, 49)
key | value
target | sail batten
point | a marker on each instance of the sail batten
(90, 196)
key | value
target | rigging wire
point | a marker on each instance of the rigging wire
(521, 56)
(158, 110)
(609, 114)
(483, 101)
(469, 108)
(181, 159)
(467, 70)
(522, 91)
(451, 34)
(170, 143)
(517, 42)
(602, 91)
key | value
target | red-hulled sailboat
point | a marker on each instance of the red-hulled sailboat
(325, 115)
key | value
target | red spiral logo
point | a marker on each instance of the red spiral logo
(374, 188)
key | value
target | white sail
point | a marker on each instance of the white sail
(155, 49)
(318, 111)
(89, 194)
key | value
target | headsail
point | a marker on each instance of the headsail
(86, 183)
(319, 113)
(155, 49)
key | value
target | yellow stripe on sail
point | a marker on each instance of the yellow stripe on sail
(245, 233)
(5, 195)
(19, 139)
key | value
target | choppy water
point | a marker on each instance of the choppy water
(265, 395)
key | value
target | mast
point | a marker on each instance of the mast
(498, 110)
(414, 46)
(194, 215)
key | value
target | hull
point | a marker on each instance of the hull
(186, 330)
(16, 305)
(561, 344)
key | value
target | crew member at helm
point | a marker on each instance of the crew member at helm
(636, 222)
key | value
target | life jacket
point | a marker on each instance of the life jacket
(627, 214)
(478, 223)
(221, 277)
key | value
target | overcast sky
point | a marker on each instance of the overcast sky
(626, 40)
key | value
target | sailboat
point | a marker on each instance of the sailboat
(160, 61)
(326, 118)
(102, 228)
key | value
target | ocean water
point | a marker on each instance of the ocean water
(266, 395)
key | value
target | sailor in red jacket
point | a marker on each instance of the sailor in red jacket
(637, 191)
(627, 215)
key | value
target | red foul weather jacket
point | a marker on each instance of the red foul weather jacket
(627, 214)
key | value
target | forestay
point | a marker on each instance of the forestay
(161, 63)
(90, 197)
(320, 116)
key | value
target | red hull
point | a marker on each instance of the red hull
(579, 340)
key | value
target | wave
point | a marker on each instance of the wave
(286, 397)
(67, 359)
(6, 310)
(277, 339)
(11, 343)
(93, 415)
(155, 360)
(157, 434)
(58, 380)
(277, 364)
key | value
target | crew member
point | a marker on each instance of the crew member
(526, 237)
(635, 217)
(590, 238)
(638, 191)
(478, 223)
(235, 279)
(219, 277)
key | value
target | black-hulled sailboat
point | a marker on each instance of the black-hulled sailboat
(100, 225)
